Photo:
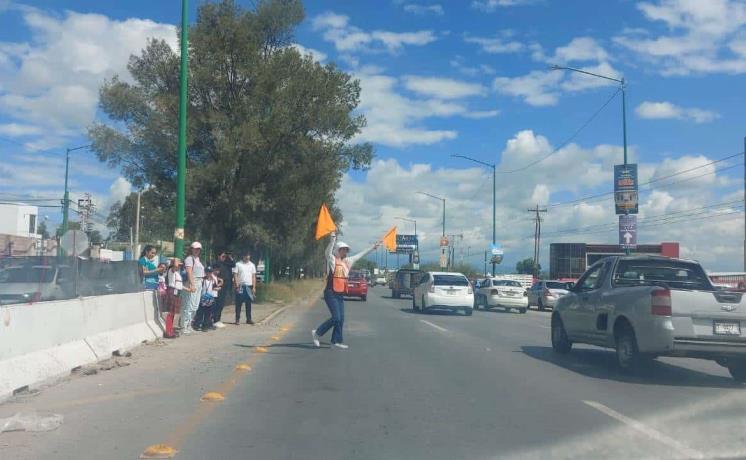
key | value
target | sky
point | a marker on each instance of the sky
(443, 78)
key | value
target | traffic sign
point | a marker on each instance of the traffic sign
(625, 189)
(496, 250)
(443, 241)
(628, 231)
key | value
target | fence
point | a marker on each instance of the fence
(44, 278)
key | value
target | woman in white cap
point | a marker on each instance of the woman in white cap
(192, 291)
(338, 269)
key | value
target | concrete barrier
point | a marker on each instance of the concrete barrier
(47, 340)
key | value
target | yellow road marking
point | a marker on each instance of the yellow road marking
(213, 396)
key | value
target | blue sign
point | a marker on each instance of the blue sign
(625, 189)
(406, 244)
(496, 249)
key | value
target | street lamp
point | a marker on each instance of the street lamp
(442, 248)
(66, 196)
(622, 87)
(494, 193)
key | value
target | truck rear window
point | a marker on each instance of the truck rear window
(671, 273)
(450, 280)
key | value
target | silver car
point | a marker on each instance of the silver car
(649, 306)
(544, 293)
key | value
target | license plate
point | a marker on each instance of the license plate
(726, 328)
(451, 292)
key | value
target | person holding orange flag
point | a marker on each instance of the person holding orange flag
(338, 269)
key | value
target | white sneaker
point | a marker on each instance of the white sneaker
(342, 346)
(219, 325)
(187, 331)
(315, 338)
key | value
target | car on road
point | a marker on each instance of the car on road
(544, 293)
(357, 286)
(404, 281)
(380, 280)
(647, 306)
(35, 283)
(443, 290)
(501, 293)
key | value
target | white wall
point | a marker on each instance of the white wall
(14, 219)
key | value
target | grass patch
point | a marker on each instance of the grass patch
(289, 291)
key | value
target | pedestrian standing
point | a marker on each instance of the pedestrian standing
(224, 271)
(338, 270)
(244, 279)
(148, 265)
(173, 299)
(192, 291)
(210, 286)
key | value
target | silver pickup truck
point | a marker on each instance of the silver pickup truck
(649, 306)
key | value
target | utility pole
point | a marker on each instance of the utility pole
(183, 102)
(452, 249)
(744, 197)
(137, 223)
(537, 236)
(66, 195)
(485, 264)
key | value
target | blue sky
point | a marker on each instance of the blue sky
(441, 78)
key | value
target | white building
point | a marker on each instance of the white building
(19, 219)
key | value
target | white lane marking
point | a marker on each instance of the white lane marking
(434, 325)
(647, 431)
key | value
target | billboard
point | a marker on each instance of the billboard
(406, 244)
(625, 189)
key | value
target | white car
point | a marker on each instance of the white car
(545, 293)
(501, 293)
(443, 290)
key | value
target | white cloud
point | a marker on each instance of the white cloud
(347, 38)
(317, 55)
(468, 191)
(537, 88)
(459, 63)
(479, 114)
(19, 130)
(443, 88)
(51, 82)
(496, 45)
(424, 9)
(493, 5)
(666, 110)
(543, 88)
(701, 37)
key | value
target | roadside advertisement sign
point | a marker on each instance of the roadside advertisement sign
(496, 252)
(625, 189)
(406, 244)
(628, 231)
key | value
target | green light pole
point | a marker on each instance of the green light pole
(181, 172)
(494, 194)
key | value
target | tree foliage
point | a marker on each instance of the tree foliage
(156, 222)
(269, 131)
(526, 266)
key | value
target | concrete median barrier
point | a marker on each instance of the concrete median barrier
(46, 340)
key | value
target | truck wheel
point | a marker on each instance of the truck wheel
(395, 294)
(414, 304)
(737, 370)
(423, 307)
(627, 354)
(522, 310)
(468, 311)
(560, 343)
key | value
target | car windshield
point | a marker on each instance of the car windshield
(450, 280)
(356, 276)
(507, 283)
(670, 273)
(555, 285)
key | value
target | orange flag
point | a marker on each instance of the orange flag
(325, 224)
(389, 240)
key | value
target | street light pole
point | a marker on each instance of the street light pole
(494, 196)
(442, 249)
(181, 171)
(66, 195)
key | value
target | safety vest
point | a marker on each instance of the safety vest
(339, 277)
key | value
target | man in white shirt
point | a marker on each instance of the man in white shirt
(244, 279)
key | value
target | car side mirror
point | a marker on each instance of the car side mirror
(570, 286)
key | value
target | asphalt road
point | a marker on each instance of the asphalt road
(411, 386)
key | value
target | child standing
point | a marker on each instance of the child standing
(174, 287)
(210, 288)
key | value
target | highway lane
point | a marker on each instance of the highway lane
(434, 386)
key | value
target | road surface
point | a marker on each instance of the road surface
(411, 386)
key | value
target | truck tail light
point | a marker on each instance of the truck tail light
(432, 289)
(660, 302)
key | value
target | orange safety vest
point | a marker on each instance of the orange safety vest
(339, 277)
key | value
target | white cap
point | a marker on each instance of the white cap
(342, 244)
(196, 245)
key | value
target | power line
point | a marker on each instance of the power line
(568, 140)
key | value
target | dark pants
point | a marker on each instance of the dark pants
(336, 305)
(217, 307)
(243, 296)
(203, 318)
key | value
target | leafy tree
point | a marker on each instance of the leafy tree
(156, 217)
(269, 131)
(526, 266)
(95, 237)
(365, 264)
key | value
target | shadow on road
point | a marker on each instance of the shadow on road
(409, 297)
(498, 310)
(284, 345)
(432, 311)
(601, 364)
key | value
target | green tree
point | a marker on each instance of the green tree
(269, 131)
(156, 217)
(365, 264)
(526, 266)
